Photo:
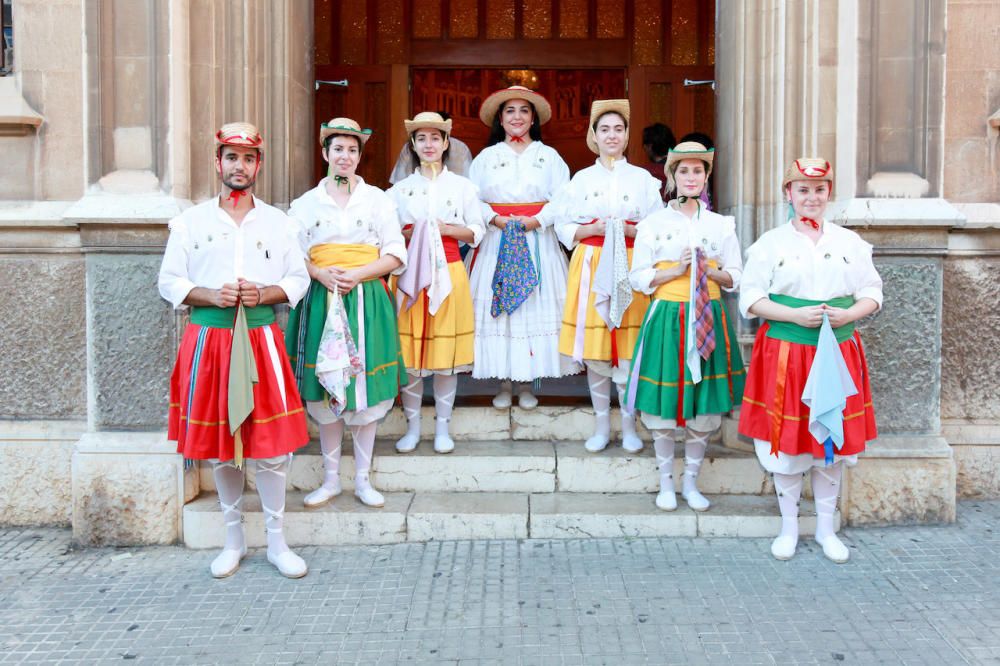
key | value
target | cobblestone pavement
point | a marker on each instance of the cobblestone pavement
(909, 595)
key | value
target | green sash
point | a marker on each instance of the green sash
(262, 315)
(786, 330)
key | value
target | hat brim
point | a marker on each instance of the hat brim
(677, 156)
(492, 104)
(414, 125)
(598, 109)
(362, 135)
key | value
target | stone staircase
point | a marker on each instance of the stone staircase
(514, 474)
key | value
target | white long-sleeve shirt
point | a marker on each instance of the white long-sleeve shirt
(449, 198)
(503, 176)
(369, 218)
(626, 192)
(206, 248)
(785, 261)
(665, 234)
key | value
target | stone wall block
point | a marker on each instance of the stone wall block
(903, 349)
(44, 340)
(976, 468)
(37, 483)
(970, 340)
(131, 342)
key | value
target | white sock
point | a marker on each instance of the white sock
(445, 388)
(630, 438)
(411, 396)
(826, 487)
(663, 445)
(229, 483)
(788, 488)
(364, 449)
(271, 473)
(695, 446)
(600, 397)
(331, 438)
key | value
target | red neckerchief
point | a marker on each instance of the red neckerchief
(515, 139)
(811, 222)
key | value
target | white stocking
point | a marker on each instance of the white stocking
(271, 473)
(445, 388)
(663, 445)
(229, 484)
(331, 438)
(694, 454)
(788, 487)
(826, 487)
(364, 449)
(631, 441)
(600, 396)
(411, 396)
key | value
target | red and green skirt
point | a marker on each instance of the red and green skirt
(385, 370)
(659, 380)
(772, 402)
(198, 412)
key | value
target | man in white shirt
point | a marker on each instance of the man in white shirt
(232, 394)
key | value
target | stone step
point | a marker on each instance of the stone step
(524, 467)
(459, 516)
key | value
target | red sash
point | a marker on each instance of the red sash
(451, 251)
(598, 241)
(518, 209)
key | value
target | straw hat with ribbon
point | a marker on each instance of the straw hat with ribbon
(598, 109)
(808, 168)
(343, 127)
(688, 150)
(428, 120)
(239, 134)
(492, 104)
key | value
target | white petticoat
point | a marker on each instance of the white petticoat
(786, 464)
(523, 345)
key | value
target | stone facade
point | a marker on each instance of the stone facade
(130, 93)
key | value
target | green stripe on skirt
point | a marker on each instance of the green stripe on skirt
(383, 358)
(657, 382)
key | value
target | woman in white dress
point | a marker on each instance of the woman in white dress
(517, 175)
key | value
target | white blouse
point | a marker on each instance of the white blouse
(503, 176)
(369, 219)
(625, 192)
(665, 234)
(449, 198)
(206, 248)
(785, 261)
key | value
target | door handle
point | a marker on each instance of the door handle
(342, 83)
(704, 82)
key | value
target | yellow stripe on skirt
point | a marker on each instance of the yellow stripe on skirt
(597, 337)
(444, 341)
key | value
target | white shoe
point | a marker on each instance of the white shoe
(834, 549)
(502, 400)
(526, 399)
(783, 547)
(288, 564)
(631, 443)
(227, 562)
(597, 442)
(369, 496)
(696, 500)
(666, 500)
(408, 443)
(444, 444)
(322, 495)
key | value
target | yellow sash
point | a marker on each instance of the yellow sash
(678, 290)
(342, 255)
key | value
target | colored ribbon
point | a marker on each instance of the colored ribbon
(811, 222)
(515, 139)
(778, 408)
(343, 180)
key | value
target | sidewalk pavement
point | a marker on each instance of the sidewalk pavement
(910, 595)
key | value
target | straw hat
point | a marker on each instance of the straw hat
(428, 120)
(492, 104)
(808, 168)
(239, 134)
(343, 127)
(598, 109)
(688, 150)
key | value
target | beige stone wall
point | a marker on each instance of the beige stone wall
(972, 149)
(49, 67)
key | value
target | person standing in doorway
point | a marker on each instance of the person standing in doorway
(657, 140)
